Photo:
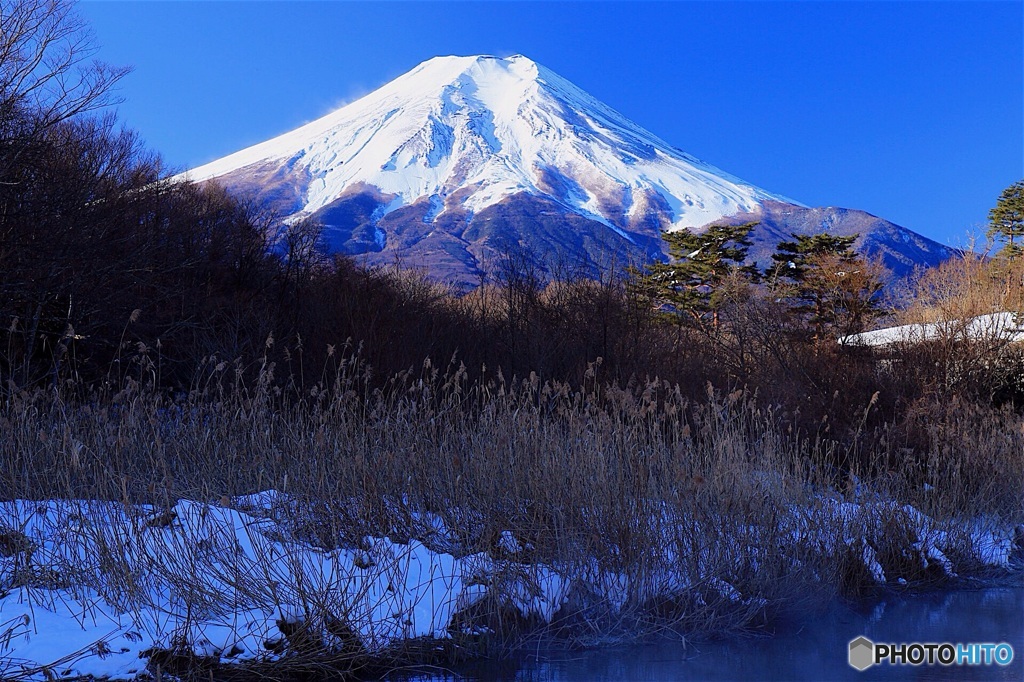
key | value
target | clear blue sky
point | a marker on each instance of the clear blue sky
(913, 111)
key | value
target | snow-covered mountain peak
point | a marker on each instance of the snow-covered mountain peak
(460, 159)
(500, 126)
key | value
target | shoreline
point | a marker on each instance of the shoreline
(405, 603)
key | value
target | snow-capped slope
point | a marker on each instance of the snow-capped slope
(502, 125)
(462, 158)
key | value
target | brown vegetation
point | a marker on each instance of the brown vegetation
(711, 514)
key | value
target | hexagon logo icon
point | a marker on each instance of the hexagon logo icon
(862, 653)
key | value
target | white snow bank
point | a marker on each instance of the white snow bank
(98, 584)
(1001, 327)
(87, 587)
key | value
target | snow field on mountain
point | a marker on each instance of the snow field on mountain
(493, 125)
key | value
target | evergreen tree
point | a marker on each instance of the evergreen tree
(688, 285)
(831, 285)
(795, 259)
(1006, 219)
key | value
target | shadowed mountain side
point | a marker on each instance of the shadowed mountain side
(349, 222)
(559, 238)
(899, 249)
(279, 185)
(455, 246)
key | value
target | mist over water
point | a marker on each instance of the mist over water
(815, 650)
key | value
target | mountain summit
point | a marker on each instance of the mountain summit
(463, 160)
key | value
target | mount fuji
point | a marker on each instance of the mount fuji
(464, 160)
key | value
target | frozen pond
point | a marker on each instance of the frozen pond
(815, 651)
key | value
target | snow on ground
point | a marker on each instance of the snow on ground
(87, 587)
(98, 584)
(1002, 327)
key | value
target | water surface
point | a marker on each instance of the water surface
(815, 650)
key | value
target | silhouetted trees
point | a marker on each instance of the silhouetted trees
(90, 233)
(48, 73)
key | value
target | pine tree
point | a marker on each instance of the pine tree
(687, 286)
(794, 259)
(831, 285)
(1006, 219)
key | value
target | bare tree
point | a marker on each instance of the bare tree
(48, 73)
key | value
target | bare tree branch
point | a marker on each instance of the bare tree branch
(48, 73)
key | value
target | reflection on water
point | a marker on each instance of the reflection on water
(815, 651)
